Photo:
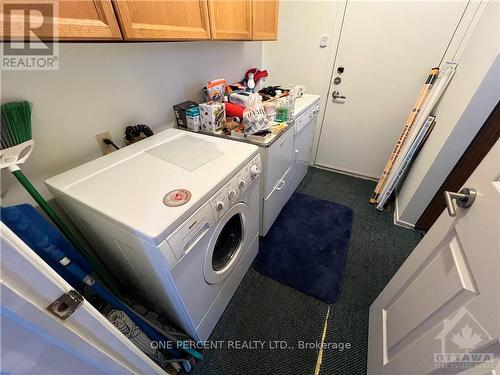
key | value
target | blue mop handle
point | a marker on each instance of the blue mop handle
(96, 286)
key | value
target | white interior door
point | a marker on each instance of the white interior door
(34, 341)
(444, 301)
(386, 50)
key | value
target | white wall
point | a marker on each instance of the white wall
(108, 86)
(296, 57)
(469, 99)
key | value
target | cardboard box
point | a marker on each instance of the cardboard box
(212, 116)
(193, 119)
(180, 112)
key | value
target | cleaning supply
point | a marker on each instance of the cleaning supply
(215, 90)
(16, 147)
(250, 82)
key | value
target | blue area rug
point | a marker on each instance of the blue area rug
(307, 246)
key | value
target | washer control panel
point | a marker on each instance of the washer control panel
(229, 194)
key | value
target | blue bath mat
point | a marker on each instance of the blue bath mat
(307, 246)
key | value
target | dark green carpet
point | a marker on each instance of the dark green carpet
(263, 309)
(376, 251)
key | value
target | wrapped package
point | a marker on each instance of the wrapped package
(254, 116)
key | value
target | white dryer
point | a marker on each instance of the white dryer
(175, 217)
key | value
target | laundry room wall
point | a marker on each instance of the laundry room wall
(105, 87)
(296, 57)
(463, 109)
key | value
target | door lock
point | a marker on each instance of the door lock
(464, 199)
(336, 95)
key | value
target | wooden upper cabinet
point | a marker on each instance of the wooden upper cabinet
(265, 19)
(231, 19)
(164, 20)
(76, 20)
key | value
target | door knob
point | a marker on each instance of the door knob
(336, 95)
(464, 199)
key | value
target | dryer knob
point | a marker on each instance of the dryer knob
(231, 194)
(219, 206)
(241, 184)
(254, 171)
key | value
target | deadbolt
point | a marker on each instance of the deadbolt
(337, 80)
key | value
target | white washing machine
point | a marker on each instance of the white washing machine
(175, 217)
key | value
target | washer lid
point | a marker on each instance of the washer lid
(128, 186)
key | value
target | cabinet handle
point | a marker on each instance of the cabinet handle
(280, 185)
(283, 141)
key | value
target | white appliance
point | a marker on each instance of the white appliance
(286, 159)
(175, 217)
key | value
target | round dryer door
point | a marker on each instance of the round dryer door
(226, 245)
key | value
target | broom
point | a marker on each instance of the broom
(16, 147)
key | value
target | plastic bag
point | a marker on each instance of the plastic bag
(254, 116)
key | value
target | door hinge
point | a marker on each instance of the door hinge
(66, 304)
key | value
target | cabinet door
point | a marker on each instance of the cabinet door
(265, 19)
(231, 19)
(164, 20)
(76, 20)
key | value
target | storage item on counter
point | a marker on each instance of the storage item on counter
(239, 98)
(254, 116)
(212, 116)
(284, 109)
(180, 112)
(270, 108)
(233, 110)
(193, 118)
(230, 126)
(215, 90)
(278, 127)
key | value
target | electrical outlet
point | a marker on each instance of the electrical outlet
(105, 149)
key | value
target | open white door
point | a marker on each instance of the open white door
(36, 342)
(440, 313)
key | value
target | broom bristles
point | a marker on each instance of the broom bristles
(16, 123)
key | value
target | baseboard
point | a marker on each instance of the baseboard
(397, 221)
(346, 172)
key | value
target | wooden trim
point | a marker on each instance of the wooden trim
(484, 140)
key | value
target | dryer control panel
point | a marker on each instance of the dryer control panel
(229, 194)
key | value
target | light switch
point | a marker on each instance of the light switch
(323, 40)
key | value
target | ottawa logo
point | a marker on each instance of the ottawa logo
(463, 339)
